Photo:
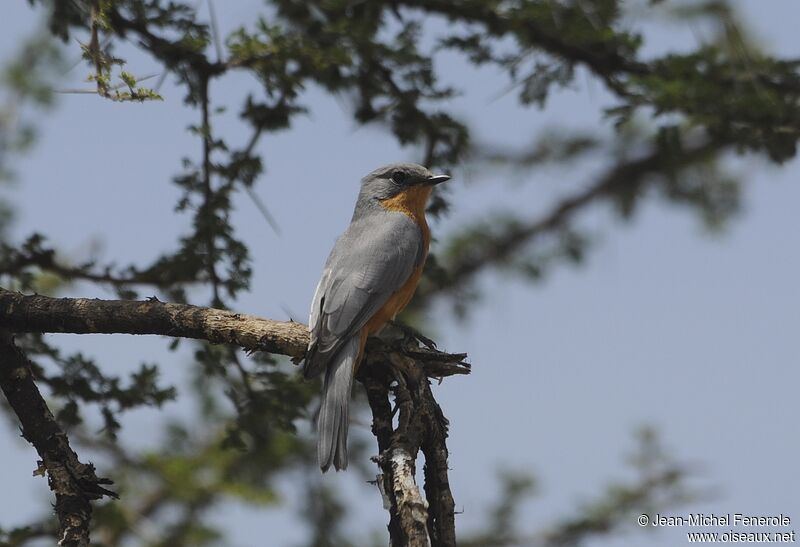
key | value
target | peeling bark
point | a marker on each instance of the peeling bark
(412, 509)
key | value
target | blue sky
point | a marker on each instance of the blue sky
(665, 324)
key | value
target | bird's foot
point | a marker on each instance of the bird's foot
(413, 334)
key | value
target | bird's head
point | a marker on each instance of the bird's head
(394, 179)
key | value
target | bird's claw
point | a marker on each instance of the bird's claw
(414, 334)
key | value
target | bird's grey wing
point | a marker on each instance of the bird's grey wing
(316, 305)
(371, 261)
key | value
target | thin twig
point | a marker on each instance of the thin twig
(208, 193)
(212, 15)
(112, 88)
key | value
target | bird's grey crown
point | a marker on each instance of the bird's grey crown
(413, 173)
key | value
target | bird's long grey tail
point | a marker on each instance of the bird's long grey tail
(334, 417)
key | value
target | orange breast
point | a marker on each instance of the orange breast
(412, 202)
(395, 304)
(390, 309)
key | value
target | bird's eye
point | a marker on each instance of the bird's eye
(398, 177)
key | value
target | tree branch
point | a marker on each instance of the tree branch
(75, 484)
(31, 253)
(404, 362)
(414, 520)
(629, 175)
(21, 313)
(207, 208)
(37, 313)
(604, 58)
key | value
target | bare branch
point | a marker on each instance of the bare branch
(37, 313)
(75, 484)
(414, 520)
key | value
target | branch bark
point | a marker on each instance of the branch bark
(22, 313)
(75, 484)
(414, 520)
(37, 313)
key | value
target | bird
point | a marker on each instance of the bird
(369, 277)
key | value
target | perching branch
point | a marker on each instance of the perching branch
(37, 313)
(407, 363)
(21, 313)
(414, 520)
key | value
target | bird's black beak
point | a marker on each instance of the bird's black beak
(436, 179)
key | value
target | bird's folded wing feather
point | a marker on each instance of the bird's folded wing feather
(371, 261)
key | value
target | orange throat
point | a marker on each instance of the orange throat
(412, 202)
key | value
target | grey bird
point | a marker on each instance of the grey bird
(369, 277)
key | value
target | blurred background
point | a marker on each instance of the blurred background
(617, 253)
